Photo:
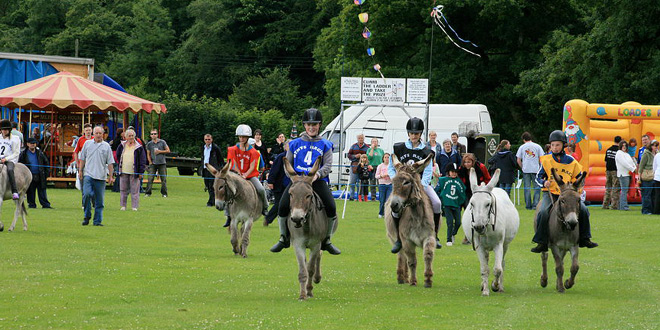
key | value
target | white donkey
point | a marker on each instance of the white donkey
(490, 222)
(23, 179)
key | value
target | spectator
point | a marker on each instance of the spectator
(624, 165)
(115, 143)
(36, 133)
(470, 161)
(570, 149)
(37, 162)
(632, 149)
(375, 155)
(433, 144)
(384, 184)
(278, 148)
(364, 174)
(132, 161)
(447, 155)
(451, 191)
(507, 163)
(211, 154)
(95, 162)
(461, 149)
(546, 148)
(612, 189)
(156, 150)
(656, 179)
(528, 156)
(646, 142)
(277, 181)
(354, 153)
(646, 177)
(16, 132)
(261, 147)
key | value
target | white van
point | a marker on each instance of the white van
(388, 125)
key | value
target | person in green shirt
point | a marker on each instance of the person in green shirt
(451, 191)
(375, 156)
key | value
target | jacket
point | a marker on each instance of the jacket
(482, 176)
(610, 154)
(276, 177)
(507, 163)
(215, 159)
(624, 164)
(442, 158)
(139, 157)
(354, 155)
(42, 162)
(451, 191)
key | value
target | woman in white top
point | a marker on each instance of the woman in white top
(656, 178)
(624, 165)
(10, 149)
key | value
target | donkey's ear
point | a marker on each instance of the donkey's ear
(494, 180)
(473, 179)
(421, 165)
(211, 169)
(225, 168)
(315, 168)
(231, 186)
(289, 169)
(557, 177)
(579, 183)
(396, 163)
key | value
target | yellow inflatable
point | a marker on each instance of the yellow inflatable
(592, 128)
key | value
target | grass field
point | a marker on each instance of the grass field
(170, 266)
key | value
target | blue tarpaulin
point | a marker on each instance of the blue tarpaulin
(16, 72)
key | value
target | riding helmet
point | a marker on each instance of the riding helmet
(5, 124)
(312, 116)
(451, 167)
(557, 135)
(243, 130)
(415, 125)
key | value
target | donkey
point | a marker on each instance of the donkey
(564, 231)
(308, 226)
(416, 227)
(23, 179)
(493, 217)
(240, 198)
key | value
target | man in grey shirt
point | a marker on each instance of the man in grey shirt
(95, 163)
(529, 159)
(156, 150)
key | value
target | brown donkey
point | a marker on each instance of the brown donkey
(416, 228)
(241, 199)
(564, 231)
(308, 225)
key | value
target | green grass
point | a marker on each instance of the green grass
(170, 265)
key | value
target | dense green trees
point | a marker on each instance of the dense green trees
(262, 62)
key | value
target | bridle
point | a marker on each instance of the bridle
(560, 211)
(492, 210)
(316, 202)
(229, 197)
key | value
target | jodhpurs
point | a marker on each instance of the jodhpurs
(435, 200)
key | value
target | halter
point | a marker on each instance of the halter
(492, 210)
(316, 202)
(229, 197)
(560, 211)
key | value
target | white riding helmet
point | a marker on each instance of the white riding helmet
(251, 141)
(243, 130)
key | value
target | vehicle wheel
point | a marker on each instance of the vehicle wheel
(185, 171)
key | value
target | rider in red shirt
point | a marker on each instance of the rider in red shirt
(244, 160)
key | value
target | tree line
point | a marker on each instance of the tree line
(216, 63)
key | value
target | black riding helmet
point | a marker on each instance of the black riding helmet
(415, 125)
(451, 167)
(557, 135)
(5, 124)
(312, 116)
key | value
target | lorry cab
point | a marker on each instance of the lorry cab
(388, 124)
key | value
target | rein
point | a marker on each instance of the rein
(492, 210)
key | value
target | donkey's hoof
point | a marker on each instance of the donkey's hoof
(485, 293)
(568, 284)
(310, 295)
(544, 282)
(244, 256)
(2, 228)
(302, 298)
(428, 284)
(561, 290)
(317, 280)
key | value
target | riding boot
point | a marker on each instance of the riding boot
(283, 243)
(585, 228)
(264, 210)
(227, 223)
(542, 232)
(397, 245)
(436, 222)
(327, 245)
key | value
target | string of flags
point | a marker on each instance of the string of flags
(441, 21)
(366, 34)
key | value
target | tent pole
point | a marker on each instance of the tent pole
(50, 141)
(30, 125)
(159, 125)
(19, 116)
(142, 126)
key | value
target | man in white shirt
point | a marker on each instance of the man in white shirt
(96, 162)
(529, 155)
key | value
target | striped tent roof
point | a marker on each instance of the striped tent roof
(65, 90)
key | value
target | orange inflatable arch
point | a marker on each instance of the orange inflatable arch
(592, 128)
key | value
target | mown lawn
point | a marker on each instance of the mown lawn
(170, 266)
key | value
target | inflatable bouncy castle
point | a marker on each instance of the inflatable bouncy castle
(592, 128)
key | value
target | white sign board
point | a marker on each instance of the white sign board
(351, 89)
(383, 91)
(417, 91)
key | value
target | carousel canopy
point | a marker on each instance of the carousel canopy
(65, 90)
